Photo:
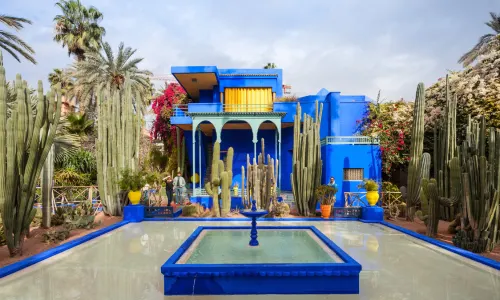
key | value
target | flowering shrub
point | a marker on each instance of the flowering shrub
(163, 108)
(391, 123)
(477, 89)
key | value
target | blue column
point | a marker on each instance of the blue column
(194, 155)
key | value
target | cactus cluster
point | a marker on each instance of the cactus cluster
(261, 182)
(222, 176)
(481, 189)
(25, 141)
(419, 164)
(306, 163)
(117, 144)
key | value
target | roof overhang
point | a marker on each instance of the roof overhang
(196, 78)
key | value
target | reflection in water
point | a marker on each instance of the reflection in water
(125, 265)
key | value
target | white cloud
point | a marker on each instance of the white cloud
(356, 47)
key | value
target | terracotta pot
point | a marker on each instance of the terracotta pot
(372, 197)
(326, 210)
(134, 197)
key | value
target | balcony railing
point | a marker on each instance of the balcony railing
(350, 140)
(180, 110)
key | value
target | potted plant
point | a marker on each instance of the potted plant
(326, 195)
(371, 187)
(133, 182)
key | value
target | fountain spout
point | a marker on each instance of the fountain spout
(254, 214)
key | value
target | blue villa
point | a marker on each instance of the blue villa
(239, 107)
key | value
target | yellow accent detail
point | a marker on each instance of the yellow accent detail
(372, 197)
(248, 99)
(196, 178)
(135, 197)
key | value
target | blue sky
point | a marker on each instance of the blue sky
(352, 46)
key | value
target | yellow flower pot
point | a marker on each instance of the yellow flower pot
(134, 197)
(372, 197)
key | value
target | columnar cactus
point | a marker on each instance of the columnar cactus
(25, 142)
(261, 180)
(117, 144)
(417, 167)
(221, 176)
(481, 189)
(47, 180)
(306, 163)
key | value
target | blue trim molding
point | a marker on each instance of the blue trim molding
(17, 266)
(240, 279)
(467, 254)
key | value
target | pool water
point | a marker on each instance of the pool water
(125, 265)
(275, 246)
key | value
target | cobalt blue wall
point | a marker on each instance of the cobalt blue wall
(189, 152)
(274, 82)
(338, 157)
(241, 141)
(286, 157)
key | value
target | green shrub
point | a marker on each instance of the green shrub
(56, 236)
(326, 194)
(132, 180)
(369, 185)
(190, 210)
(388, 186)
(3, 242)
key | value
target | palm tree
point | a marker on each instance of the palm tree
(106, 70)
(13, 44)
(64, 78)
(486, 42)
(78, 28)
(79, 124)
(270, 66)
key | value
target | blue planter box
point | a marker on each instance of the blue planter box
(279, 278)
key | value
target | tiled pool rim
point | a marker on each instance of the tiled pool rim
(261, 278)
(22, 264)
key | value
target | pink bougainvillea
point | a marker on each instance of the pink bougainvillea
(163, 107)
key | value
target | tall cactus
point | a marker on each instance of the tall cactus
(47, 183)
(119, 123)
(262, 180)
(25, 142)
(221, 177)
(481, 189)
(416, 168)
(306, 163)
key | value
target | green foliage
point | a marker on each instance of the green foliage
(325, 194)
(270, 66)
(132, 180)
(11, 42)
(77, 28)
(388, 186)
(390, 122)
(369, 185)
(56, 236)
(486, 43)
(189, 210)
(74, 218)
(112, 71)
(79, 124)
(71, 177)
(81, 161)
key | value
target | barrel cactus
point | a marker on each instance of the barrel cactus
(25, 141)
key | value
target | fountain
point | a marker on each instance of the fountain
(216, 260)
(254, 214)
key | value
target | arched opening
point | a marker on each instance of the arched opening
(199, 145)
(239, 135)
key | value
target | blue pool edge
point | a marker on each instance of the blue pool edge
(29, 261)
(467, 254)
(264, 278)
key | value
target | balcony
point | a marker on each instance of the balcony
(350, 140)
(181, 111)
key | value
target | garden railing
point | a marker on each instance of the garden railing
(391, 202)
(71, 196)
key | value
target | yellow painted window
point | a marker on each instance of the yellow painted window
(248, 100)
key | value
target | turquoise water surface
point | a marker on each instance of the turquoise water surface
(275, 246)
